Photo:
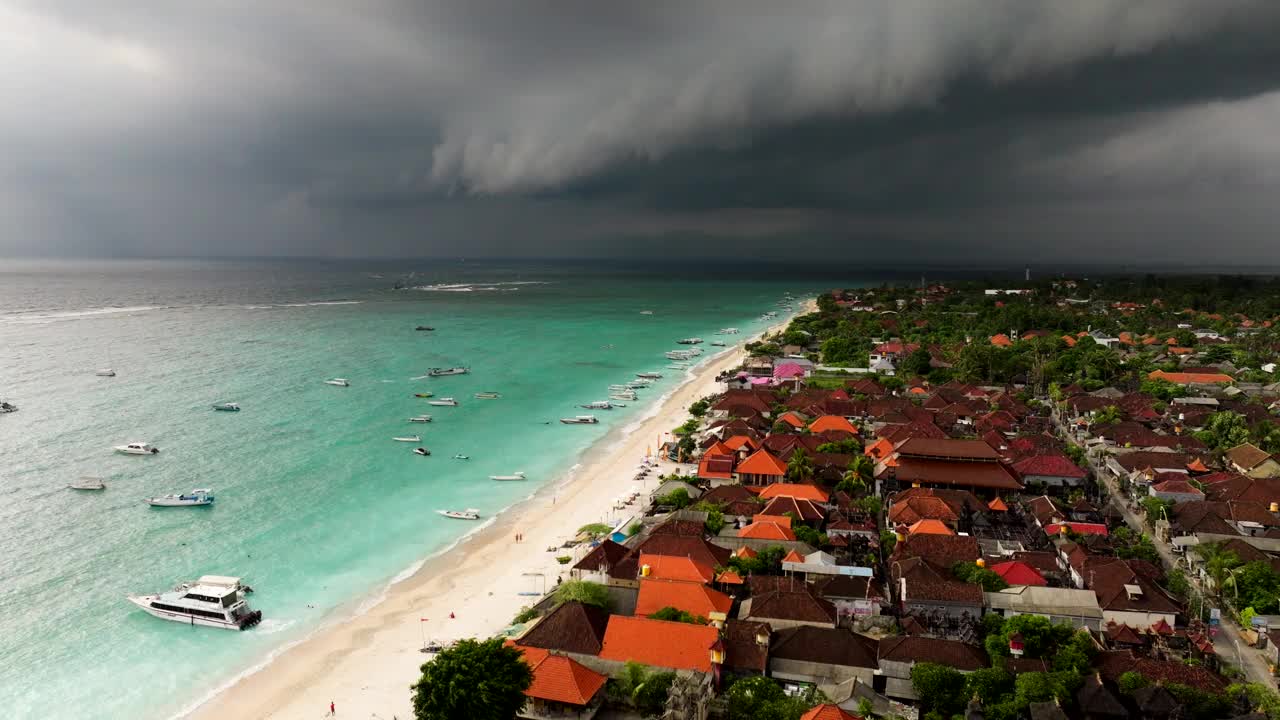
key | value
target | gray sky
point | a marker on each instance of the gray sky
(880, 130)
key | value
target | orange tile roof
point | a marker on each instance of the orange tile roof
(561, 679)
(729, 577)
(792, 419)
(690, 597)
(709, 468)
(878, 449)
(672, 567)
(672, 645)
(1197, 466)
(532, 655)
(1070, 341)
(1001, 340)
(1181, 350)
(745, 552)
(799, 491)
(717, 448)
(793, 557)
(997, 505)
(1181, 378)
(783, 520)
(737, 442)
(766, 531)
(762, 462)
(917, 390)
(828, 711)
(832, 422)
(929, 527)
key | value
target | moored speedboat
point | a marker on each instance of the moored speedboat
(488, 395)
(443, 402)
(421, 451)
(598, 405)
(227, 407)
(717, 343)
(441, 372)
(136, 448)
(105, 372)
(424, 395)
(468, 514)
(6, 407)
(689, 341)
(339, 382)
(410, 438)
(424, 328)
(212, 601)
(420, 419)
(460, 456)
(195, 498)
(580, 420)
(88, 483)
(649, 375)
(518, 475)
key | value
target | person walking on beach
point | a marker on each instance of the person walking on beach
(333, 712)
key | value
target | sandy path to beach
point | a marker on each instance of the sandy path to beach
(365, 664)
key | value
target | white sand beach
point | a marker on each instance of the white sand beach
(365, 664)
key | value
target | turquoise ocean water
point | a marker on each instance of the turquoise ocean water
(317, 506)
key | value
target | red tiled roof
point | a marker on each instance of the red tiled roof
(729, 577)
(1180, 378)
(792, 419)
(943, 652)
(997, 505)
(673, 645)
(929, 527)
(793, 557)
(762, 463)
(1048, 465)
(561, 679)
(1082, 528)
(827, 711)
(766, 531)
(916, 508)
(715, 467)
(1018, 573)
(668, 567)
(737, 442)
(1001, 340)
(945, 449)
(691, 597)
(782, 520)
(990, 475)
(805, 510)
(812, 493)
(832, 422)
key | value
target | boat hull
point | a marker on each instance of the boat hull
(144, 602)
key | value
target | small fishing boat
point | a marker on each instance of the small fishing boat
(460, 456)
(227, 407)
(193, 499)
(339, 382)
(689, 341)
(518, 475)
(424, 328)
(105, 372)
(488, 395)
(598, 405)
(410, 438)
(420, 419)
(649, 375)
(424, 395)
(646, 312)
(441, 372)
(7, 407)
(136, 448)
(468, 514)
(88, 483)
(677, 367)
(212, 601)
(717, 343)
(580, 420)
(444, 402)
(622, 396)
(618, 404)
(421, 451)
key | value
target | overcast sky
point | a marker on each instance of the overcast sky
(878, 130)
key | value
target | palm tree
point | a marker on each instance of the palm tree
(1218, 563)
(858, 476)
(799, 467)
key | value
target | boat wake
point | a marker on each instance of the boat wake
(42, 318)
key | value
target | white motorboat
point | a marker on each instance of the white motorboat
(689, 341)
(468, 514)
(421, 451)
(646, 312)
(488, 395)
(88, 483)
(7, 407)
(195, 498)
(649, 375)
(618, 404)
(227, 407)
(441, 372)
(580, 420)
(212, 601)
(443, 402)
(105, 372)
(598, 405)
(420, 419)
(460, 456)
(677, 367)
(410, 438)
(340, 382)
(637, 385)
(627, 395)
(717, 343)
(729, 331)
(518, 475)
(424, 394)
(136, 448)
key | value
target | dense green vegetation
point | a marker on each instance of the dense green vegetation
(762, 698)
(472, 679)
(676, 615)
(583, 591)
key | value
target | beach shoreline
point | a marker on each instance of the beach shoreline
(365, 663)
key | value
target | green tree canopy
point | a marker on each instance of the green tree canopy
(473, 679)
(941, 688)
(583, 591)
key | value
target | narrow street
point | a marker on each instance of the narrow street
(1227, 644)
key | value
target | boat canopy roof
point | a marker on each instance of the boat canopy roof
(219, 580)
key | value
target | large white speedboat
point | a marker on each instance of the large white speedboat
(409, 438)
(212, 601)
(689, 341)
(443, 402)
(227, 407)
(195, 498)
(488, 395)
(518, 475)
(468, 514)
(88, 483)
(580, 420)
(623, 395)
(440, 372)
(340, 382)
(136, 448)
(420, 419)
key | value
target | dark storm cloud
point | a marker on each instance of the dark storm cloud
(881, 128)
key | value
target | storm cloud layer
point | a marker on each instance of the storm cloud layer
(998, 130)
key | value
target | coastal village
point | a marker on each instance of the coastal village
(1044, 500)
